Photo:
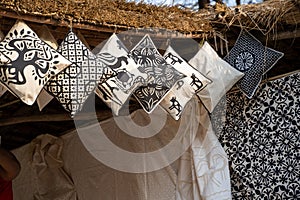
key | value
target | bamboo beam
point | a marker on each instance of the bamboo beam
(286, 35)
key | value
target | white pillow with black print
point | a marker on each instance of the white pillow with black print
(184, 90)
(251, 57)
(28, 62)
(116, 91)
(222, 75)
(164, 75)
(72, 86)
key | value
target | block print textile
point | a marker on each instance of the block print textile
(261, 139)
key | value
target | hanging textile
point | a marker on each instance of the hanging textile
(261, 139)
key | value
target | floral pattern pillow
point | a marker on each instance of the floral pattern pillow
(251, 57)
(164, 75)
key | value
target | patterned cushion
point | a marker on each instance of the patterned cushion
(29, 62)
(222, 75)
(165, 75)
(73, 85)
(186, 88)
(253, 59)
(117, 90)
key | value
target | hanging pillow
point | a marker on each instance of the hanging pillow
(164, 75)
(222, 75)
(186, 88)
(28, 62)
(249, 56)
(72, 86)
(117, 90)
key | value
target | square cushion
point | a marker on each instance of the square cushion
(175, 101)
(116, 91)
(29, 62)
(222, 75)
(164, 75)
(249, 56)
(72, 86)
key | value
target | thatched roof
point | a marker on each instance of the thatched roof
(274, 22)
(124, 15)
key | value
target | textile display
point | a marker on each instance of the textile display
(73, 85)
(77, 170)
(251, 57)
(203, 169)
(175, 101)
(222, 75)
(117, 90)
(165, 76)
(42, 174)
(27, 62)
(261, 138)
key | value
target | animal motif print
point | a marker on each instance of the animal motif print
(174, 58)
(196, 82)
(175, 105)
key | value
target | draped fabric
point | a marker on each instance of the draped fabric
(261, 139)
(42, 175)
(64, 167)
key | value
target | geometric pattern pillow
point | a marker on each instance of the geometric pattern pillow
(253, 59)
(72, 86)
(117, 90)
(29, 62)
(186, 88)
(164, 75)
(222, 75)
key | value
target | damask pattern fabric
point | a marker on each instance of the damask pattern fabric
(27, 62)
(253, 59)
(175, 101)
(73, 85)
(261, 138)
(117, 90)
(165, 75)
(222, 75)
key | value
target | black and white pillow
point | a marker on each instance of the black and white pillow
(252, 58)
(186, 88)
(27, 63)
(72, 86)
(222, 75)
(117, 90)
(164, 75)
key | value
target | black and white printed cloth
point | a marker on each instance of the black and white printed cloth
(175, 101)
(261, 138)
(253, 59)
(27, 63)
(74, 85)
(116, 91)
(164, 75)
(223, 75)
